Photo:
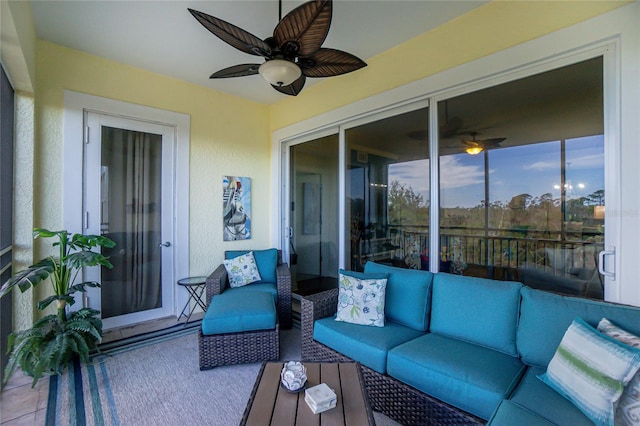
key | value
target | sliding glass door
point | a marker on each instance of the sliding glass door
(387, 191)
(522, 181)
(517, 192)
(314, 214)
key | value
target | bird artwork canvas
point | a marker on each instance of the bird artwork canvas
(236, 208)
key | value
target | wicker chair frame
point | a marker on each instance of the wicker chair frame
(401, 402)
(248, 346)
(218, 281)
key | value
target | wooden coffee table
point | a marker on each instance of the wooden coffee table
(270, 404)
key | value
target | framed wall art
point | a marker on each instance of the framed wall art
(236, 208)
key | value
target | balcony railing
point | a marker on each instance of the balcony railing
(541, 258)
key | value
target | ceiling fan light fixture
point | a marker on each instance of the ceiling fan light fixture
(279, 72)
(473, 150)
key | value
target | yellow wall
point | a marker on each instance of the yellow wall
(485, 30)
(228, 136)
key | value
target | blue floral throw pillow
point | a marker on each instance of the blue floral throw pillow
(242, 270)
(361, 298)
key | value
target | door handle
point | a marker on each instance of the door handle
(611, 251)
(165, 244)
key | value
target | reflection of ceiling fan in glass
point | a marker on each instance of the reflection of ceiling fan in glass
(476, 146)
(292, 54)
(451, 125)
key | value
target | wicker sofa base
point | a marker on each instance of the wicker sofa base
(401, 402)
(238, 348)
(395, 399)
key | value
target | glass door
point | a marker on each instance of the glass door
(387, 191)
(522, 181)
(128, 196)
(314, 214)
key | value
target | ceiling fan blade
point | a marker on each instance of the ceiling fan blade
(473, 143)
(304, 29)
(450, 127)
(294, 88)
(483, 143)
(331, 62)
(234, 36)
(237, 71)
(492, 141)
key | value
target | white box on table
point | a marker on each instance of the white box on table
(320, 398)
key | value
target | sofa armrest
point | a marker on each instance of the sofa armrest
(216, 283)
(314, 307)
(284, 295)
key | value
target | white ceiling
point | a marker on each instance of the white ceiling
(161, 36)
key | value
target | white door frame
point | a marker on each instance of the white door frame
(92, 161)
(75, 105)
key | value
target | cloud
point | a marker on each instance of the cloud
(414, 174)
(586, 162)
(542, 165)
(454, 174)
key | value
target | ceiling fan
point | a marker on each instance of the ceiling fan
(294, 51)
(476, 146)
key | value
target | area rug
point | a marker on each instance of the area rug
(155, 383)
(158, 382)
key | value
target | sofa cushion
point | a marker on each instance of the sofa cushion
(267, 261)
(476, 310)
(233, 311)
(269, 288)
(367, 345)
(509, 414)
(361, 298)
(407, 296)
(468, 376)
(535, 396)
(544, 318)
(591, 370)
(242, 270)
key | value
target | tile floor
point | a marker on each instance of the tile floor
(20, 405)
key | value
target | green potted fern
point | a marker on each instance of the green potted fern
(54, 340)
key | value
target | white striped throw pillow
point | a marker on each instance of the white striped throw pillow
(591, 370)
(628, 411)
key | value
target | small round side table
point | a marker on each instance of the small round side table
(195, 287)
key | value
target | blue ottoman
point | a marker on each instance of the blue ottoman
(233, 312)
(239, 328)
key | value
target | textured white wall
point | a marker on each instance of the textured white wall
(23, 205)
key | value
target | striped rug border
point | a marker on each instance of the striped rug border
(82, 381)
(145, 342)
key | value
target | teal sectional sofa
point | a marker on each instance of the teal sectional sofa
(457, 350)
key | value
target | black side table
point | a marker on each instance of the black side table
(195, 287)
